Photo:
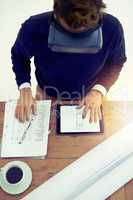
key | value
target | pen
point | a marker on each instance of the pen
(24, 134)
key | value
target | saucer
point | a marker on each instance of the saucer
(20, 187)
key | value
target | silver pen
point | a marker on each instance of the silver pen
(25, 132)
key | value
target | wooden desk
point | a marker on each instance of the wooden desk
(63, 150)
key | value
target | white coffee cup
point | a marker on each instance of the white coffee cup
(8, 171)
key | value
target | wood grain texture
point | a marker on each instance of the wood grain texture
(119, 195)
(63, 150)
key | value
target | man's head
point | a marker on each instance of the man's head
(78, 15)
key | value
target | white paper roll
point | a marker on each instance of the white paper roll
(79, 177)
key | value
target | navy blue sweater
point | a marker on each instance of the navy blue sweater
(67, 72)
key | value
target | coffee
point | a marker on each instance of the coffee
(14, 175)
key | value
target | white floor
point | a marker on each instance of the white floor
(13, 13)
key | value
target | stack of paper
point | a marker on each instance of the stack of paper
(94, 176)
(29, 138)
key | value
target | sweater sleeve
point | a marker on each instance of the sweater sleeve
(21, 53)
(115, 61)
(109, 75)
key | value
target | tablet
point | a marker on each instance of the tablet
(70, 121)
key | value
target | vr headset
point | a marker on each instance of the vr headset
(61, 40)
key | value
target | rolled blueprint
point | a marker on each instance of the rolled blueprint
(109, 163)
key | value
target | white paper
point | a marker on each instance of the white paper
(72, 121)
(36, 138)
(96, 175)
(109, 183)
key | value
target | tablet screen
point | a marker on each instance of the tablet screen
(71, 121)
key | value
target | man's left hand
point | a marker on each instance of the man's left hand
(92, 102)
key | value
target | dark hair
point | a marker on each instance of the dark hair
(79, 13)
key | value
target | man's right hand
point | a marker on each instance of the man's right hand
(25, 105)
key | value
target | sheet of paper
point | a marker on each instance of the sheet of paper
(109, 165)
(72, 121)
(26, 139)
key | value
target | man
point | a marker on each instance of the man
(64, 74)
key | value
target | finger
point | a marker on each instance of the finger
(92, 112)
(34, 108)
(85, 110)
(18, 113)
(100, 113)
(96, 116)
(27, 112)
(21, 114)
